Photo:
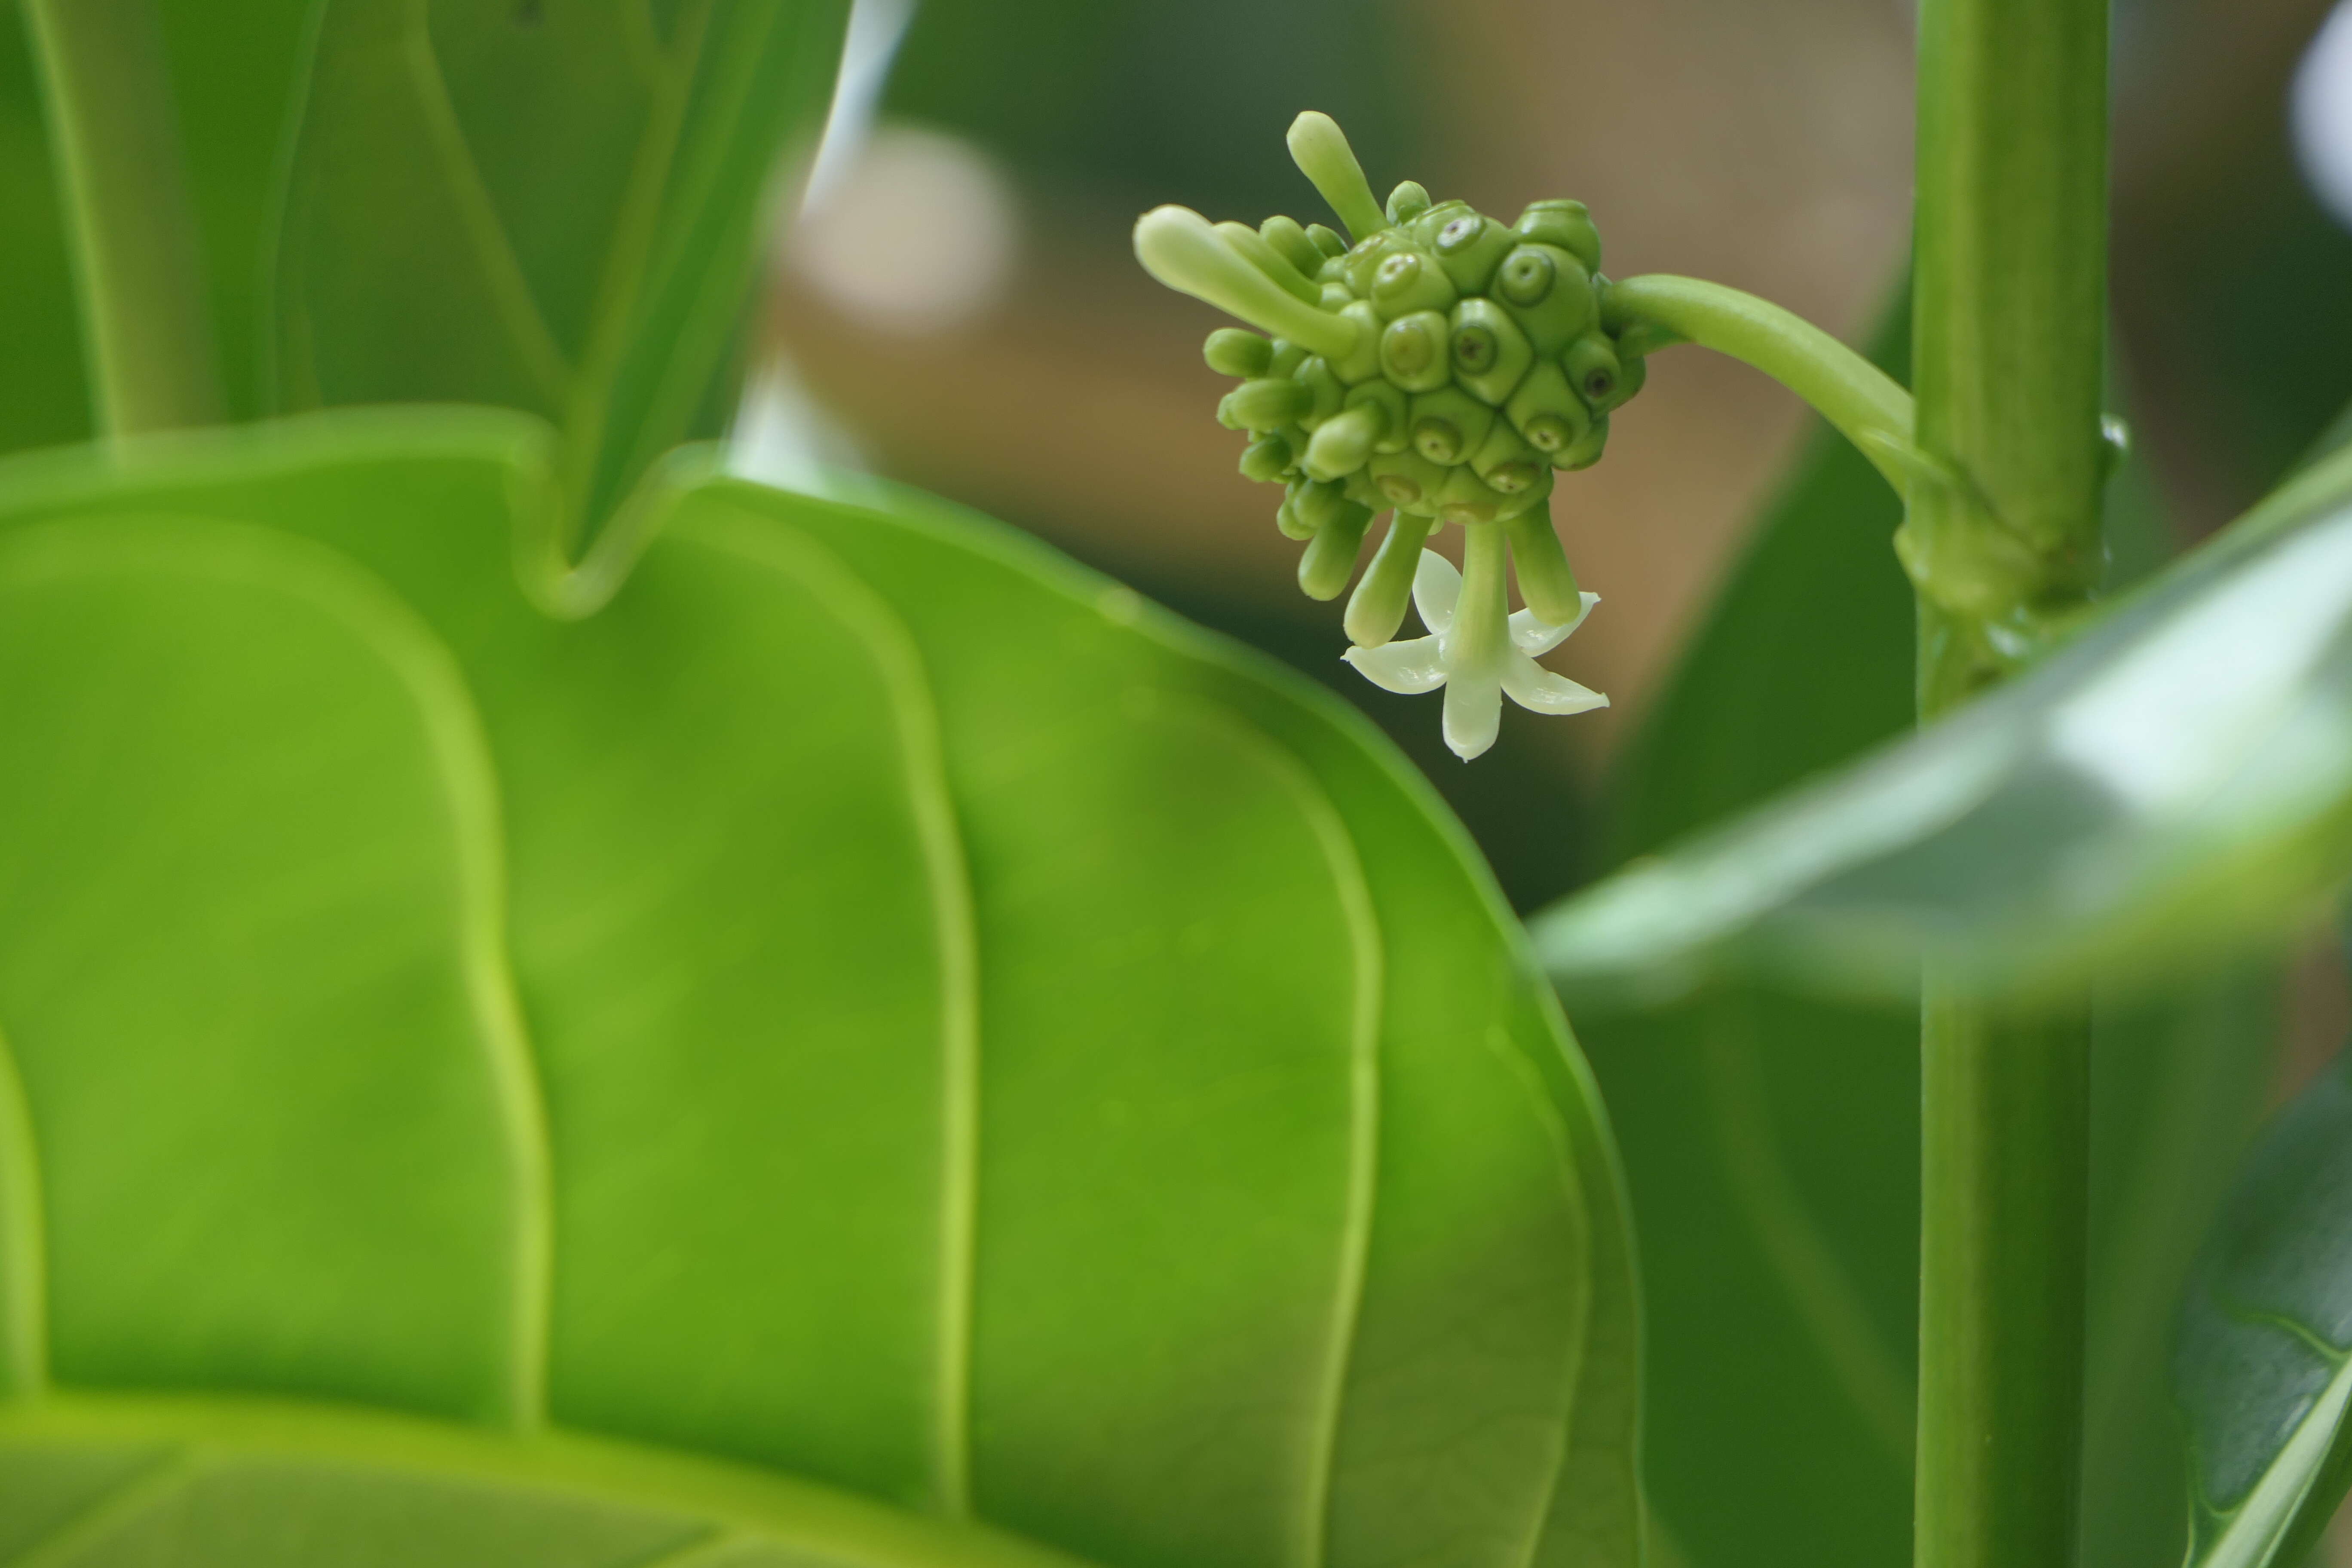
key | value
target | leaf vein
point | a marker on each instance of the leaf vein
(893, 649)
(138, 1493)
(24, 1242)
(1824, 1299)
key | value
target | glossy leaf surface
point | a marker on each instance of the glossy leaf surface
(2175, 782)
(2263, 1368)
(830, 1037)
(547, 206)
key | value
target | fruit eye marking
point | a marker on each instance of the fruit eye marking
(1460, 233)
(1526, 278)
(1473, 348)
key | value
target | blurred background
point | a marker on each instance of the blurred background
(959, 307)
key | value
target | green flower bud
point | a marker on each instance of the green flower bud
(1415, 353)
(1470, 248)
(1358, 487)
(1465, 499)
(1396, 427)
(1287, 358)
(1331, 557)
(1252, 248)
(1548, 292)
(1324, 392)
(1327, 240)
(1363, 363)
(1241, 355)
(1448, 424)
(1362, 264)
(1566, 225)
(1546, 580)
(1267, 458)
(1587, 451)
(1633, 373)
(1334, 296)
(1522, 485)
(1287, 519)
(1488, 351)
(1266, 403)
(1290, 240)
(1377, 608)
(1408, 480)
(1321, 151)
(1408, 280)
(1593, 369)
(1316, 503)
(1424, 229)
(1183, 250)
(1407, 201)
(1546, 412)
(1343, 443)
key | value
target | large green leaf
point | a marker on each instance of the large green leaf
(2176, 784)
(233, 72)
(835, 1036)
(43, 397)
(546, 205)
(2263, 1364)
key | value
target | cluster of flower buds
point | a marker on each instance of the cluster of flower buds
(1442, 366)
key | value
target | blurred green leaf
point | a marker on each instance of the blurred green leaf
(1770, 1141)
(849, 1028)
(544, 204)
(2262, 1369)
(2174, 784)
(44, 399)
(2177, 1084)
(236, 71)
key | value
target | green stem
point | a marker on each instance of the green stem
(2004, 1143)
(1854, 395)
(2009, 303)
(115, 142)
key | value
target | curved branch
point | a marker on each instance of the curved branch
(1861, 400)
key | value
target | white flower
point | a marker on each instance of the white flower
(1478, 657)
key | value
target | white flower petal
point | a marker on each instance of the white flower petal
(1531, 635)
(1435, 587)
(1408, 667)
(1474, 713)
(1532, 686)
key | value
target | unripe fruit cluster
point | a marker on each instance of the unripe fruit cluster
(1481, 366)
